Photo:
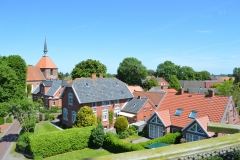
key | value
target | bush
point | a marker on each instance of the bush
(123, 134)
(131, 130)
(58, 142)
(4, 109)
(145, 131)
(47, 116)
(40, 117)
(9, 120)
(22, 144)
(37, 120)
(1, 120)
(85, 117)
(97, 136)
(51, 117)
(121, 124)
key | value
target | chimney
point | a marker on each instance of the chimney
(181, 91)
(211, 93)
(93, 75)
(100, 75)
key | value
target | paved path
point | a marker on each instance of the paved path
(140, 140)
(8, 138)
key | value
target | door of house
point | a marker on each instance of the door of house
(155, 131)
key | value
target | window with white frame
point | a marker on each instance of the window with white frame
(94, 104)
(73, 116)
(116, 111)
(193, 137)
(108, 103)
(196, 128)
(144, 118)
(227, 118)
(155, 131)
(70, 98)
(95, 112)
(53, 102)
(104, 103)
(234, 114)
(104, 115)
(156, 120)
(65, 114)
(150, 108)
(46, 101)
(116, 102)
(144, 109)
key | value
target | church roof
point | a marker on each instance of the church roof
(34, 74)
(46, 62)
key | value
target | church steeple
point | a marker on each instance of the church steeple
(45, 48)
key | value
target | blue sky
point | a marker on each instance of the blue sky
(204, 35)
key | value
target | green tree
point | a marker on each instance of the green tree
(20, 67)
(186, 73)
(29, 89)
(109, 75)
(226, 88)
(4, 109)
(152, 82)
(131, 71)
(25, 112)
(85, 117)
(167, 69)
(215, 85)
(87, 68)
(205, 75)
(236, 74)
(121, 124)
(110, 113)
(198, 76)
(61, 76)
(66, 74)
(151, 72)
(97, 136)
(174, 83)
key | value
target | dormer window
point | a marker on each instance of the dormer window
(178, 112)
(193, 114)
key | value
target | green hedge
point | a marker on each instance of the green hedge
(9, 120)
(113, 144)
(58, 142)
(1, 120)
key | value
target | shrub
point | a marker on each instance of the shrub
(131, 130)
(110, 113)
(4, 109)
(123, 134)
(99, 119)
(58, 142)
(9, 120)
(37, 120)
(121, 124)
(22, 144)
(1, 120)
(40, 117)
(97, 136)
(47, 116)
(29, 88)
(145, 131)
(51, 117)
(85, 117)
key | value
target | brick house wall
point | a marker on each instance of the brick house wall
(146, 111)
(47, 73)
(34, 84)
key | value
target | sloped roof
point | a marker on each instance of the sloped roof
(54, 87)
(99, 89)
(191, 84)
(34, 74)
(165, 117)
(134, 88)
(216, 78)
(159, 89)
(203, 122)
(154, 97)
(200, 90)
(46, 62)
(213, 107)
(134, 105)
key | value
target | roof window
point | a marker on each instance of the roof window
(117, 83)
(122, 92)
(178, 112)
(134, 105)
(87, 85)
(193, 114)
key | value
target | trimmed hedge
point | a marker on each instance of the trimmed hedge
(1, 120)
(113, 144)
(9, 120)
(58, 142)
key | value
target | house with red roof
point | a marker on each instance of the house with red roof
(190, 113)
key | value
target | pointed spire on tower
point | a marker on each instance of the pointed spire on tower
(45, 48)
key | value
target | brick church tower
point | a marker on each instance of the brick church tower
(46, 65)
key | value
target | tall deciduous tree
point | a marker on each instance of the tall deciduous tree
(152, 82)
(131, 71)
(174, 83)
(85, 117)
(61, 75)
(236, 74)
(87, 68)
(186, 73)
(167, 69)
(225, 88)
(205, 75)
(151, 72)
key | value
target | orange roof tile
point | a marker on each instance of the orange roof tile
(34, 74)
(203, 122)
(165, 117)
(154, 97)
(213, 107)
(170, 90)
(46, 62)
(134, 88)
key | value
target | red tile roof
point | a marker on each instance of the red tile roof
(213, 107)
(134, 88)
(165, 117)
(34, 74)
(203, 122)
(154, 97)
(46, 62)
(170, 90)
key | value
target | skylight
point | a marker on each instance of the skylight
(117, 83)
(122, 92)
(134, 105)
(87, 85)
(178, 112)
(193, 114)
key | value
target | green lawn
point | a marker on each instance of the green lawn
(44, 127)
(131, 138)
(84, 153)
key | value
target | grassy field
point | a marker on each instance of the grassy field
(131, 138)
(75, 155)
(44, 127)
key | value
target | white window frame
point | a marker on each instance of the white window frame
(94, 104)
(150, 108)
(95, 112)
(192, 137)
(104, 103)
(108, 103)
(116, 102)
(53, 102)
(198, 128)
(74, 115)
(105, 114)
(70, 98)
(155, 131)
(227, 118)
(116, 111)
(65, 114)
(144, 109)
